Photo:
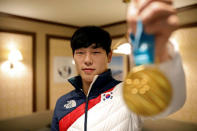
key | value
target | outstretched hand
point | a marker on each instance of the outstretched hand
(159, 18)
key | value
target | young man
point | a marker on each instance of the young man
(96, 104)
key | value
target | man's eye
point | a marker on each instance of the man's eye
(79, 52)
(96, 52)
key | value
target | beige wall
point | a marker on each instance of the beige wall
(186, 38)
(41, 29)
(16, 83)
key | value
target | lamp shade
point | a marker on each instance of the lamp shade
(15, 55)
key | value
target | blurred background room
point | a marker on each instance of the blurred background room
(36, 59)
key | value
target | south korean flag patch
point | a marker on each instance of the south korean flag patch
(107, 96)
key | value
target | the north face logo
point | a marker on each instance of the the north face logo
(70, 104)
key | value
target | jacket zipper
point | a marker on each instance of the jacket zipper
(86, 105)
(86, 114)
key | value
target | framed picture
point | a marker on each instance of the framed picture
(60, 67)
(63, 68)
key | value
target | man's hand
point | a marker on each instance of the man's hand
(159, 18)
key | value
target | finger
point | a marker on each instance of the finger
(132, 18)
(156, 11)
(165, 25)
(142, 4)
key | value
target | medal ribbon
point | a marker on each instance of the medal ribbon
(143, 46)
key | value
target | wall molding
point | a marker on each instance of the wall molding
(38, 20)
(113, 24)
(33, 35)
(179, 10)
(189, 25)
(186, 8)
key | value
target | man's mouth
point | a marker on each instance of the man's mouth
(88, 70)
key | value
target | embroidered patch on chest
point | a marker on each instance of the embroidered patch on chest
(70, 104)
(107, 96)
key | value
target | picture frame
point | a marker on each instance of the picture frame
(119, 66)
(59, 68)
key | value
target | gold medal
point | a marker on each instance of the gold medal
(146, 91)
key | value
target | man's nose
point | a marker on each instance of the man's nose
(88, 59)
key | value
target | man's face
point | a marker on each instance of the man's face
(91, 61)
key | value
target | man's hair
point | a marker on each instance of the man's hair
(88, 35)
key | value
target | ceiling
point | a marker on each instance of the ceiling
(74, 12)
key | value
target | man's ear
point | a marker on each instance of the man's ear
(109, 56)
